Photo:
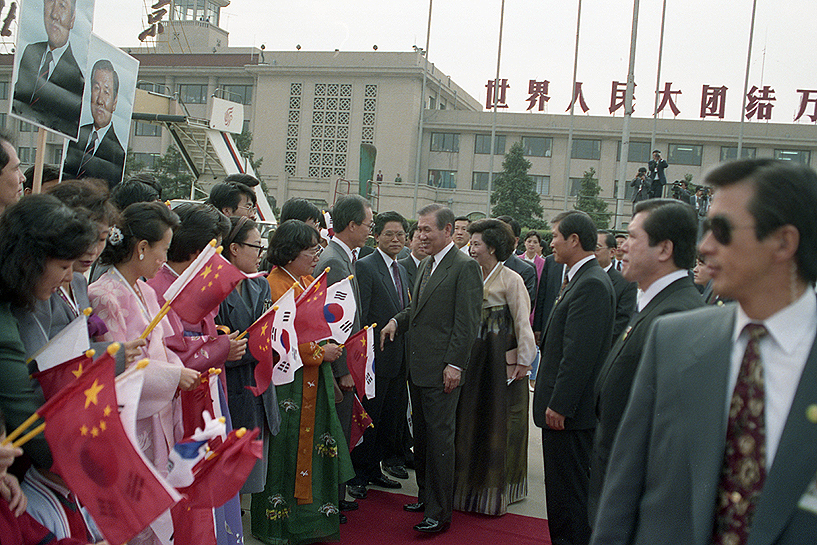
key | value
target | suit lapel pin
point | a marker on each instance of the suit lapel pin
(811, 413)
(626, 332)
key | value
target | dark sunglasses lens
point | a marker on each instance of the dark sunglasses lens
(720, 228)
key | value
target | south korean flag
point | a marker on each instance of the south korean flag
(285, 340)
(339, 309)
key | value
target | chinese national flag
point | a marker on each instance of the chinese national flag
(259, 344)
(360, 359)
(221, 474)
(121, 491)
(360, 421)
(196, 401)
(54, 379)
(310, 321)
(196, 294)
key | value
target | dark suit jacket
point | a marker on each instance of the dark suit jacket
(657, 186)
(340, 266)
(549, 285)
(378, 304)
(411, 271)
(527, 272)
(612, 389)
(58, 104)
(107, 163)
(669, 450)
(625, 301)
(247, 410)
(575, 342)
(444, 322)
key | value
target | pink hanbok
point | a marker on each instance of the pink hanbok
(158, 418)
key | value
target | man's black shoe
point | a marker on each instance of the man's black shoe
(414, 507)
(431, 526)
(396, 471)
(357, 491)
(385, 482)
(348, 505)
(343, 519)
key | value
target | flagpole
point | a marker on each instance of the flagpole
(628, 113)
(572, 105)
(422, 108)
(746, 81)
(493, 122)
(657, 78)
(156, 319)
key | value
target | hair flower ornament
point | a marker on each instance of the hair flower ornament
(115, 236)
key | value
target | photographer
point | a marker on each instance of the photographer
(680, 192)
(700, 200)
(656, 175)
(641, 185)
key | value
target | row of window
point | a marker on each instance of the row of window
(196, 93)
(639, 152)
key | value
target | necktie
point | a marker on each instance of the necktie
(354, 255)
(395, 271)
(426, 275)
(618, 265)
(89, 153)
(565, 281)
(744, 463)
(42, 77)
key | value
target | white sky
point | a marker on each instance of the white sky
(705, 43)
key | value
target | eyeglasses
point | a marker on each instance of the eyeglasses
(369, 226)
(721, 229)
(314, 253)
(391, 234)
(248, 207)
(257, 246)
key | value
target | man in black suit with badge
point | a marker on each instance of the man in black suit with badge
(98, 153)
(657, 255)
(625, 291)
(576, 339)
(383, 287)
(50, 83)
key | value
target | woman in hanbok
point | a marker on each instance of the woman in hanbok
(309, 457)
(491, 444)
(137, 248)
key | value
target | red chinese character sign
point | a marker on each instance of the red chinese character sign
(713, 101)
(760, 102)
(494, 96)
(538, 91)
(618, 95)
(578, 95)
(667, 97)
(807, 97)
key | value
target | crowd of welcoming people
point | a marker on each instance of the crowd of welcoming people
(461, 323)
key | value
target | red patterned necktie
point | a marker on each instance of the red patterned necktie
(744, 464)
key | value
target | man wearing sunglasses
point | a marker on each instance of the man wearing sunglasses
(717, 444)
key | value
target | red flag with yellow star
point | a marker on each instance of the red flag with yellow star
(122, 492)
(360, 359)
(203, 286)
(310, 321)
(259, 343)
(54, 379)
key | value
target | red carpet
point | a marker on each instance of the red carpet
(381, 519)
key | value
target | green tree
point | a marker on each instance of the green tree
(173, 175)
(132, 164)
(588, 200)
(243, 142)
(514, 192)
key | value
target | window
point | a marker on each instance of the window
(586, 149)
(535, 146)
(798, 156)
(480, 181)
(575, 186)
(147, 129)
(684, 154)
(26, 127)
(482, 144)
(147, 159)
(193, 93)
(445, 141)
(542, 183)
(4, 90)
(238, 93)
(3, 120)
(56, 155)
(639, 152)
(26, 155)
(445, 179)
(245, 128)
(729, 153)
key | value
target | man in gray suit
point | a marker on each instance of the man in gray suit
(352, 220)
(717, 444)
(657, 256)
(442, 321)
